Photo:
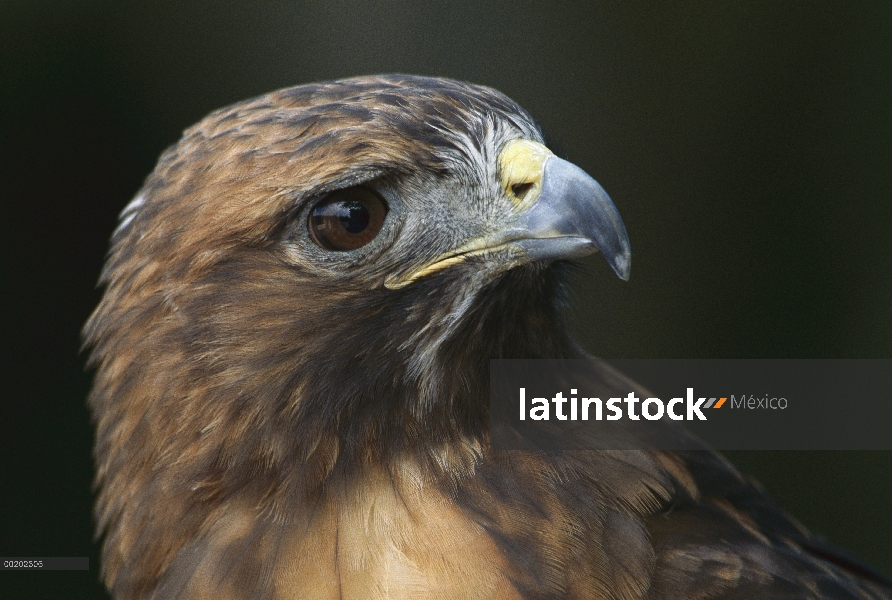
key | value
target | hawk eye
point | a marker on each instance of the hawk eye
(347, 219)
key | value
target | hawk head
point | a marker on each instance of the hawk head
(314, 280)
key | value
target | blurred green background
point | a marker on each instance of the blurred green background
(748, 147)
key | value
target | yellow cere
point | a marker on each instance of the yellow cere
(521, 163)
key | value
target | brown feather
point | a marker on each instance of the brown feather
(273, 422)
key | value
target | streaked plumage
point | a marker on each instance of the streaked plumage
(276, 419)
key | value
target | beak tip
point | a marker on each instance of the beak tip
(622, 266)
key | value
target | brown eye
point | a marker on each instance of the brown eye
(347, 219)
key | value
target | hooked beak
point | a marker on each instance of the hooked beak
(561, 213)
(572, 217)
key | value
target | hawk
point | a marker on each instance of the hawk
(291, 381)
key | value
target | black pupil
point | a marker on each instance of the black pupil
(354, 216)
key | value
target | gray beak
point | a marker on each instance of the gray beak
(572, 217)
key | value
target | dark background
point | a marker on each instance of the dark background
(747, 146)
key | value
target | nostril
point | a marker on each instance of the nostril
(521, 189)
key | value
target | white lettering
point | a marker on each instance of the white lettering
(658, 414)
(631, 400)
(671, 411)
(540, 413)
(559, 401)
(613, 408)
(523, 404)
(694, 408)
(586, 402)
